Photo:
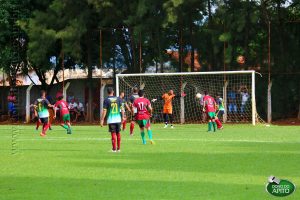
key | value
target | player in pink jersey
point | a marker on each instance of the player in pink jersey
(143, 109)
(62, 105)
(209, 106)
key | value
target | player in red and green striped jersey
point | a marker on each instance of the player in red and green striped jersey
(209, 106)
(143, 109)
(62, 105)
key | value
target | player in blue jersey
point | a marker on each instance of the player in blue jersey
(113, 110)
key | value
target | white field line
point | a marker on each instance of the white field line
(167, 139)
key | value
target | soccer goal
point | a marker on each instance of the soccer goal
(235, 88)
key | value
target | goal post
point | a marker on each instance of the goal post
(236, 88)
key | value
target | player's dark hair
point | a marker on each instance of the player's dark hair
(60, 98)
(43, 92)
(135, 90)
(110, 90)
(141, 93)
(205, 92)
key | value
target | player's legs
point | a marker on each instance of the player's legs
(171, 119)
(112, 130)
(118, 129)
(211, 121)
(45, 126)
(218, 122)
(38, 123)
(66, 119)
(142, 130)
(124, 124)
(149, 131)
(132, 125)
(166, 118)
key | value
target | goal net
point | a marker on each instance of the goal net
(235, 88)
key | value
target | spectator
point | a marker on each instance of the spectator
(232, 107)
(81, 109)
(70, 97)
(244, 97)
(11, 99)
(73, 108)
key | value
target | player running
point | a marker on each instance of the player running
(131, 100)
(41, 106)
(144, 111)
(209, 106)
(124, 105)
(112, 106)
(65, 118)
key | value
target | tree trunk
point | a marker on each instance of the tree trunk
(269, 103)
(192, 48)
(90, 117)
(159, 52)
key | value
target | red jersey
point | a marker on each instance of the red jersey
(141, 104)
(63, 107)
(210, 104)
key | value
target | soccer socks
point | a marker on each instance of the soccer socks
(209, 126)
(45, 128)
(215, 126)
(118, 141)
(114, 141)
(218, 122)
(143, 137)
(38, 123)
(149, 134)
(124, 125)
(65, 126)
(131, 128)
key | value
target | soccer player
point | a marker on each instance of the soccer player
(112, 106)
(144, 111)
(209, 107)
(41, 106)
(62, 105)
(168, 107)
(220, 111)
(124, 105)
(131, 100)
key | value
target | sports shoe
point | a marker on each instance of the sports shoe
(131, 134)
(144, 141)
(42, 134)
(113, 151)
(118, 151)
(69, 131)
(152, 142)
(166, 126)
(221, 128)
(172, 126)
(50, 128)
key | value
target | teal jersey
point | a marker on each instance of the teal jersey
(220, 104)
(42, 107)
(113, 105)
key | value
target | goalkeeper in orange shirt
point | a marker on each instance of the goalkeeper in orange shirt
(168, 107)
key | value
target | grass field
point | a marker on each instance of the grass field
(186, 163)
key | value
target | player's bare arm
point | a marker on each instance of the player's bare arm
(103, 117)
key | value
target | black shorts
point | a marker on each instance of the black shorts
(44, 120)
(114, 128)
(220, 114)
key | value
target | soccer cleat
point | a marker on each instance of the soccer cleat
(172, 126)
(166, 126)
(118, 151)
(50, 128)
(144, 141)
(152, 142)
(69, 131)
(113, 151)
(42, 134)
(131, 134)
(221, 128)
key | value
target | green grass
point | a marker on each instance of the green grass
(186, 163)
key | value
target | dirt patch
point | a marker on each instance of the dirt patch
(287, 122)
